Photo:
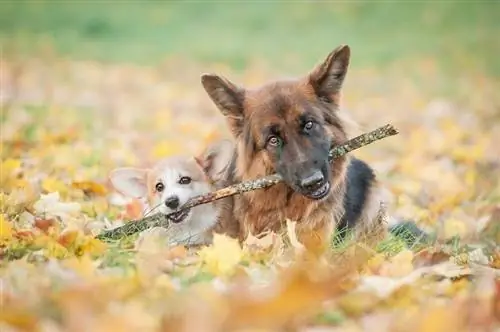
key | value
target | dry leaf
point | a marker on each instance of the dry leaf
(222, 257)
(90, 187)
(50, 206)
(5, 229)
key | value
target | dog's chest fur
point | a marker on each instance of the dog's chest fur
(268, 210)
(353, 201)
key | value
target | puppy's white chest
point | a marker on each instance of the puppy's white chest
(195, 231)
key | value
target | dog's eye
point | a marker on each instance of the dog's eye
(308, 126)
(274, 141)
(185, 180)
(159, 187)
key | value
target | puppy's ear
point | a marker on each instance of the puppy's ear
(216, 158)
(327, 78)
(130, 181)
(228, 98)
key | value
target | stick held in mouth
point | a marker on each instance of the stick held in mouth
(161, 220)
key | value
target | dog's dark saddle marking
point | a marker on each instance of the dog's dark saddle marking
(360, 178)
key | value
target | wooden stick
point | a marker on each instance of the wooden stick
(161, 220)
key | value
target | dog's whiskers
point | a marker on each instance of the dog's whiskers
(151, 209)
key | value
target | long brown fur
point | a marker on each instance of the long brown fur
(282, 103)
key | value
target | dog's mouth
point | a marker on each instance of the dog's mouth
(320, 191)
(180, 216)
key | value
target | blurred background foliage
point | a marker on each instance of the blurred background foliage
(459, 35)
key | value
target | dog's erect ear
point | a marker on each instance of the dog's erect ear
(227, 97)
(327, 78)
(130, 181)
(216, 158)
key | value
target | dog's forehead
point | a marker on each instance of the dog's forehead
(175, 166)
(278, 102)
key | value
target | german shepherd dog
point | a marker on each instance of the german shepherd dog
(288, 127)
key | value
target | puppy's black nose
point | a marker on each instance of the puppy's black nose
(313, 181)
(172, 202)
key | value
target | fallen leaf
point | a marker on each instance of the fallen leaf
(222, 257)
(51, 206)
(399, 265)
(44, 224)
(5, 229)
(52, 185)
(264, 247)
(90, 187)
(430, 256)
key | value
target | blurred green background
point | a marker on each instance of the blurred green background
(289, 35)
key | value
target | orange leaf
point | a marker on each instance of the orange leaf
(44, 224)
(68, 238)
(20, 317)
(90, 187)
(177, 252)
(429, 256)
(25, 234)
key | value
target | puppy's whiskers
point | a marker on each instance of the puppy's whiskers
(151, 209)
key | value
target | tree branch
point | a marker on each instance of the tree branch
(161, 220)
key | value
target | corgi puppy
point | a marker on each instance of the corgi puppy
(170, 183)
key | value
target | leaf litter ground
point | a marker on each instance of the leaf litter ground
(66, 124)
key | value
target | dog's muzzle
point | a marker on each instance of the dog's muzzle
(315, 185)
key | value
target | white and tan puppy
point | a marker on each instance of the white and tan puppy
(172, 182)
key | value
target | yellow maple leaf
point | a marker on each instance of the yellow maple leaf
(91, 246)
(51, 185)
(10, 165)
(222, 257)
(8, 169)
(5, 229)
(90, 187)
(373, 265)
(400, 265)
(54, 249)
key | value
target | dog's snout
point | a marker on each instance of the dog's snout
(172, 202)
(312, 181)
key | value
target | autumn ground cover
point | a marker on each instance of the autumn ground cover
(89, 87)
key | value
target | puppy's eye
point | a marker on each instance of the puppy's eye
(274, 141)
(308, 126)
(185, 180)
(159, 187)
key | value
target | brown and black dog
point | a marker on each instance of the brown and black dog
(288, 127)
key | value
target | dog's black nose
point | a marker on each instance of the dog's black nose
(172, 202)
(312, 181)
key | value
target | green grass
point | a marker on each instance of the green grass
(289, 35)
